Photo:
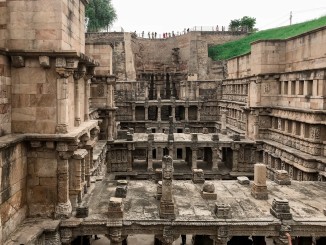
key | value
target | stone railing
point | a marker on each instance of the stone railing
(303, 145)
(238, 98)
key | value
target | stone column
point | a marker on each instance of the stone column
(110, 126)
(63, 209)
(158, 92)
(87, 97)
(77, 104)
(146, 113)
(133, 107)
(129, 157)
(150, 152)
(215, 159)
(62, 105)
(66, 236)
(76, 180)
(186, 113)
(89, 161)
(235, 157)
(159, 113)
(194, 158)
(166, 204)
(173, 113)
(146, 90)
(259, 187)
(115, 236)
(223, 121)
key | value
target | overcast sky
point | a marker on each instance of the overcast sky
(175, 15)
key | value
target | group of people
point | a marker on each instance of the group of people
(153, 35)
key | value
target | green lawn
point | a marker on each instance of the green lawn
(242, 46)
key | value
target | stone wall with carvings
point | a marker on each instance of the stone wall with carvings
(13, 188)
(5, 96)
(45, 25)
(185, 53)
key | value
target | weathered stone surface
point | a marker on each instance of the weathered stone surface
(222, 211)
(198, 176)
(121, 191)
(282, 177)
(243, 180)
(281, 209)
(208, 187)
(81, 212)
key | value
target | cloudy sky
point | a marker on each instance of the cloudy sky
(175, 15)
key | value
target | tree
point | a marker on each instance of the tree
(100, 14)
(234, 25)
(245, 23)
(248, 23)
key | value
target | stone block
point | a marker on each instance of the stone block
(81, 212)
(198, 176)
(121, 191)
(243, 180)
(122, 182)
(259, 192)
(208, 195)
(222, 211)
(44, 61)
(325, 211)
(115, 209)
(282, 177)
(167, 210)
(187, 131)
(130, 137)
(281, 209)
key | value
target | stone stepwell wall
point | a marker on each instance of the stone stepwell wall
(13, 189)
(44, 25)
(5, 96)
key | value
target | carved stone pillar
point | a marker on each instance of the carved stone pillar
(77, 104)
(223, 121)
(115, 236)
(159, 113)
(129, 157)
(194, 158)
(198, 114)
(110, 125)
(66, 236)
(146, 113)
(89, 161)
(63, 209)
(187, 113)
(150, 152)
(62, 105)
(146, 91)
(133, 112)
(87, 97)
(76, 176)
(173, 113)
(235, 158)
(215, 159)
(158, 92)
(167, 204)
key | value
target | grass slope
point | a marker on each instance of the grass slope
(242, 46)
